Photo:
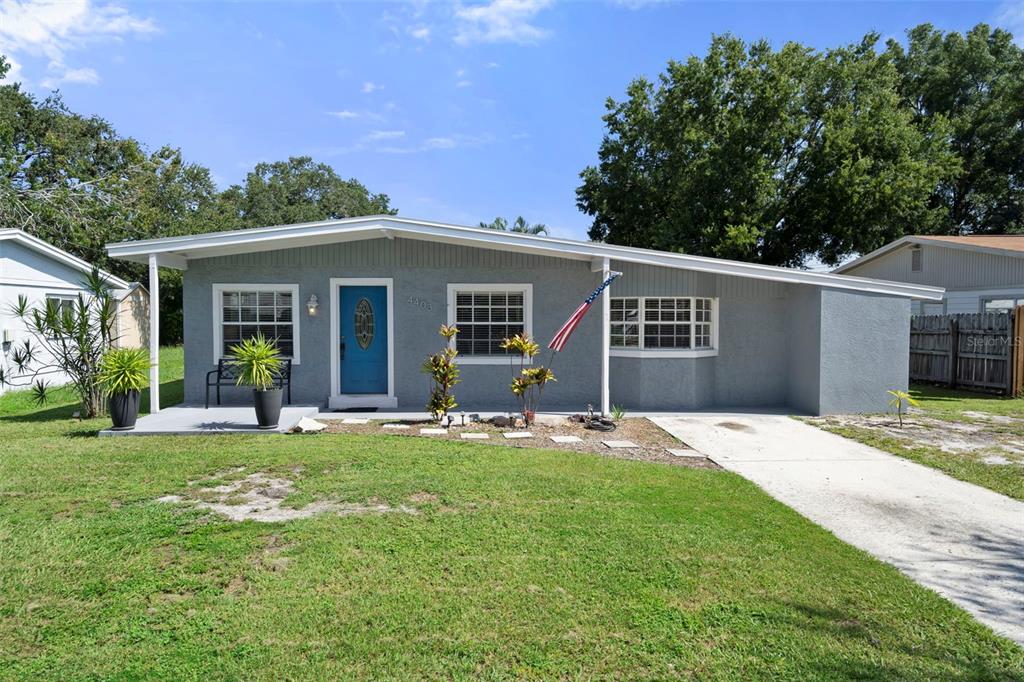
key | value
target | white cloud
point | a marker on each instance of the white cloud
(385, 135)
(1011, 17)
(441, 143)
(500, 21)
(638, 4)
(491, 65)
(85, 75)
(419, 32)
(53, 28)
(343, 114)
(463, 83)
(370, 86)
(446, 142)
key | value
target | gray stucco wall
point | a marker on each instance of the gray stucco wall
(864, 350)
(780, 345)
(421, 270)
(803, 366)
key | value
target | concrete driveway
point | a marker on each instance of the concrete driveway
(963, 541)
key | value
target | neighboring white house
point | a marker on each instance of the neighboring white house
(980, 273)
(39, 271)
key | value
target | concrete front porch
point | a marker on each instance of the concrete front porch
(185, 420)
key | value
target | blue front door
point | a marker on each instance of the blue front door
(364, 339)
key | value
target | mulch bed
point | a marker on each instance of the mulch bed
(652, 441)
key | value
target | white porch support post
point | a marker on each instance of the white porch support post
(606, 338)
(154, 335)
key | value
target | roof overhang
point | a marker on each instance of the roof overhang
(59, 255)
(175, 252)
(922, 240)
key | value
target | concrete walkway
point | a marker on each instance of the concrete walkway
(961, 540)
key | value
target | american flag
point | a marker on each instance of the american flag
(566, 330)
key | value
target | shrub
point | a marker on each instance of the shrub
(123, 370)
(528, 386)
(444, 374)
(70, 340)
(259, 362)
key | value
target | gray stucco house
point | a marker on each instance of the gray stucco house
(356, 304)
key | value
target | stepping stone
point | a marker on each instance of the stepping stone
(394, 426)
(685, 453)
(433, 432)
(474, 436)
(517, 434)
(618, 444)
(353, 420)
(566, 439)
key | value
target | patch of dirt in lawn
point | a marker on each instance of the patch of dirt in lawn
(259, 496)
(993, 439)
(653, 442)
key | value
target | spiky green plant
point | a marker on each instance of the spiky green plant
(899, 402)
(69, 341)
(123, 370)
(259, 362)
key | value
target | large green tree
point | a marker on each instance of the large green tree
(976, 82)
(766, 155)
(298, 190)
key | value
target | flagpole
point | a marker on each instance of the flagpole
(606, 339)
(566, 330)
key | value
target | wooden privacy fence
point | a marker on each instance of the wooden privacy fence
(979, 351)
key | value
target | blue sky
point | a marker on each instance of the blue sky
(460, 112)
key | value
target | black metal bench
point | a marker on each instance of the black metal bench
(226, 374)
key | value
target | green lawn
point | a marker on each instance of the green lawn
(944, 413)
(526, 563)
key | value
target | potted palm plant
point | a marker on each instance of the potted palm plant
(122, 376)
(259, 362)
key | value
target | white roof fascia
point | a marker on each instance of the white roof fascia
(286, 236)
(59, 255)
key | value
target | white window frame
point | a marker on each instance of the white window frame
(63, 298)
(641, 352)
(1016, 298)
(218, 313)
(525, 289)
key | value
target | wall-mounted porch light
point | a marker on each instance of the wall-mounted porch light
(312, 305)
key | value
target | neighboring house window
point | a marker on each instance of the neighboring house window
(916, 256)
(241, 311)
(486, 314)
(674, 324)
(63, 302)
(998, 305)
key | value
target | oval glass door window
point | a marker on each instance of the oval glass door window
(364, 323)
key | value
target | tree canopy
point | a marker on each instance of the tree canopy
(519, 225)
(778, 156)
(298, 190)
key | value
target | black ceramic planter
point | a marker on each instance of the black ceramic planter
(124, 410)
(268, 407)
